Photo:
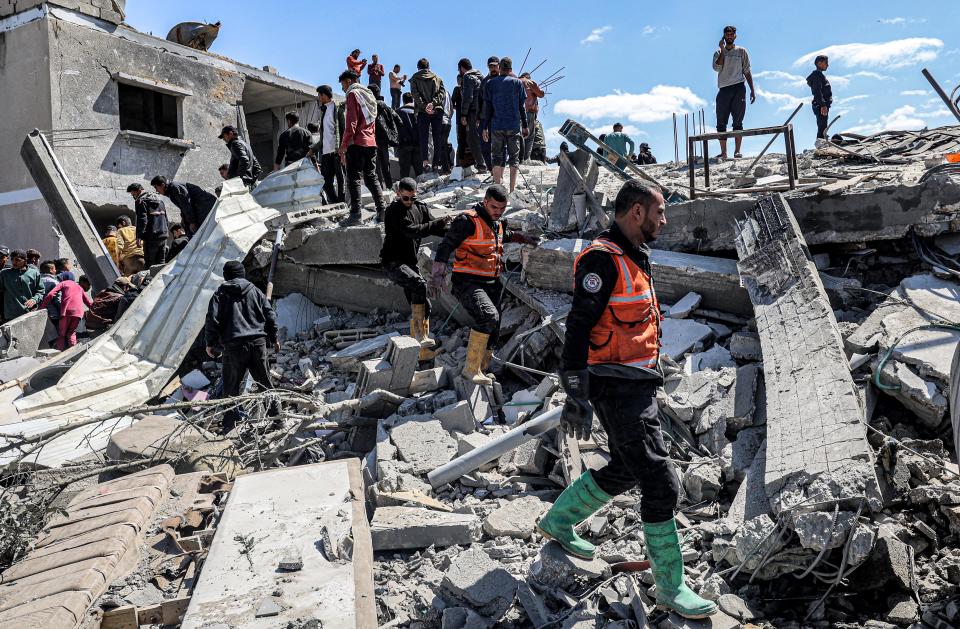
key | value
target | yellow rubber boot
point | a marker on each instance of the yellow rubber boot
(476, 348)
(487, 357)
(420, 330)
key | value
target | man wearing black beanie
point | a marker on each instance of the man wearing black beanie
(241, 321)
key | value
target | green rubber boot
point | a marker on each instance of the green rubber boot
(666, 561)
(577, 503)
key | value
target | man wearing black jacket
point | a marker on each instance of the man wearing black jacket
(241, 321)
(472, 97)
(387, 135)
(194, 202)
(243, 163)
(152, 226)
(294, 143)
(406, 222)
(822, 94)
(408, 150)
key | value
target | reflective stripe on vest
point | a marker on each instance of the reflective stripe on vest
(482, 252)
(628, 332)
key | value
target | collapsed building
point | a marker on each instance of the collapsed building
(810, 336)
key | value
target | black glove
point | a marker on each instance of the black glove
(577, 416)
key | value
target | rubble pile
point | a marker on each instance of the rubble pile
(808, 372)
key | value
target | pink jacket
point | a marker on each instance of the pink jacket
(72, 299)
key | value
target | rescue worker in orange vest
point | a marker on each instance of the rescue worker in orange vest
(477, 236)
(610, 364)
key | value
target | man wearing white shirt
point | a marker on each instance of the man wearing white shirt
(331, 130)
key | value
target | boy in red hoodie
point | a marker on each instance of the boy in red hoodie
(72, 300)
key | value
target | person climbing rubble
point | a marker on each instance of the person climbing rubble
(476, 239)
(407, 221)
(240, 322)
(610, 364)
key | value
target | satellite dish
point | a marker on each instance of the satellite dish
(196, 35)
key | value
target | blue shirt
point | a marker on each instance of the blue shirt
(503, 104)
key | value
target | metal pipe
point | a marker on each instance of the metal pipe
(538, 66)
(775, 136)
(939, 90)
(676, 147)
(686, 134)
(274, 256)
(527, 56)
(837, 117)
(494, 449)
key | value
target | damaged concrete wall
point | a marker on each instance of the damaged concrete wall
(883, 213)
(25, 85)
(82, 60)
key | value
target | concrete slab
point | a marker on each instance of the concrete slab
(165, 436)
(22, 336)
(814, 428)
(399, 528)
(424, 445)
(517, 518)
(310, 508)
(681, 335)
(351, 245)
(355, 288)
(296, 313)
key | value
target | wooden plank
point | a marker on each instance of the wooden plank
(364, 599)
(120, 618)
(834, 189)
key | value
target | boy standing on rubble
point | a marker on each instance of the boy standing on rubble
(822, 94)
(241, 321)
(610, 364)
(476, 239)
(407, 221)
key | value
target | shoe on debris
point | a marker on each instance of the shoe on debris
(666, 562)
(476, 348)
(580, 500)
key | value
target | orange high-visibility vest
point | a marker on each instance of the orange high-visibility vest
(628, 332)
(482, 252)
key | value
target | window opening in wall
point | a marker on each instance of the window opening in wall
(148, 111)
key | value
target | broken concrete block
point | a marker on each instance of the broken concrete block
(457, 417)
(349, 357)
(702, 480)
(717, 357)
(517, 518)
(754, 541)
(164, 437)
(397, 528)
(22, 336)
(534, 605)
(742, 397)
(358, 244)
(481, 582)
(682, 335)
(424, 445)
(903, 609)
(555, 567)
(746, 346)
(687, 304)
(291, 561)
(427, 380)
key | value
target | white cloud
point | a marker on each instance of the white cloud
(873, 75)
(596, 35)
(786, 102)
(902, 20)
(653, 106)
(905, 118)
(914, 93)
(892, 54)
(647, 30)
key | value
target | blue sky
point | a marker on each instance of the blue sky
(637, 62)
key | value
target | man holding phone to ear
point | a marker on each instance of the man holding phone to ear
(732, 65)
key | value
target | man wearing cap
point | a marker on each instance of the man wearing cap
(644, 156)
(194, 202)
(732, 65)
(240, 322)
(243, 163)
(22, 288)
(152, 224)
